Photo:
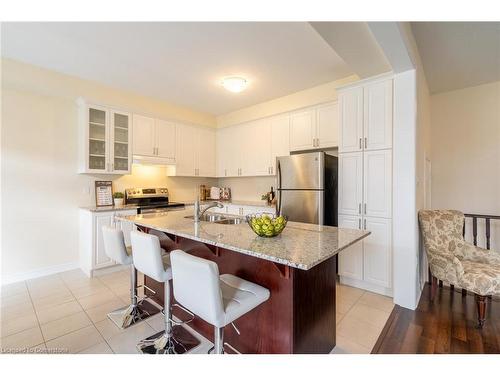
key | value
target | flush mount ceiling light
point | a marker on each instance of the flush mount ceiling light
(234, 84)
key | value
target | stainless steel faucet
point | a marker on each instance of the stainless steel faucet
(199, 213)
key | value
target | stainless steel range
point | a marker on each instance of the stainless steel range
(151, 200)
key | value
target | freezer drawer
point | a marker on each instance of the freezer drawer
(305, 206)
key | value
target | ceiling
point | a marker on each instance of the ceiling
(182, 62)
(456, 55)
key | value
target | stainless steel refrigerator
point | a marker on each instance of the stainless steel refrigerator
(307, 188)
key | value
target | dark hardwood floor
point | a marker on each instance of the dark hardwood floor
(448, 325)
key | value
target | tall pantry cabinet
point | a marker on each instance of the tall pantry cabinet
(365, 182)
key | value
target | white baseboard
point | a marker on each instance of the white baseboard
(40, 272)
(366, 286)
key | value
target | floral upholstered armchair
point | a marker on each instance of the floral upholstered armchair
(456, 261)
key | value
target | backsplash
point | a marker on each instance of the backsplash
(185, 188)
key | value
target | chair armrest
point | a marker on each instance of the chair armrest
(446, 267)
(480, 255)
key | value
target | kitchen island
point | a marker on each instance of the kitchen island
(298, 267)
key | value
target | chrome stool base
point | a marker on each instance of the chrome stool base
(181, 342)
(124, 319)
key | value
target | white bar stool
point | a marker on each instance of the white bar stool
(218, 300)
(148, 258)
(138, 310)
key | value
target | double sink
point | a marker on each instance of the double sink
(218, 219)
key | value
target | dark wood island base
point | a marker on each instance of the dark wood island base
(299, 316)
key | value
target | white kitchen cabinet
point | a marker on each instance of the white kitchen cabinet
(365, 181)
(351, 120)
(228, 151)
(350, 187)
(327, 130)
(377, 124)
(256, 153)
(195, 151)
(165, 139)
(377, 183)
(205, 155)
(351, 259)
(92, 254)
(186, 143)
(280, 138)
(315, 127)
(144, 136)
(377, 249)
(303, 130)
(105, 138)
(154, 140)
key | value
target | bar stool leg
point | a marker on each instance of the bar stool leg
(219, 340)
(136, 311)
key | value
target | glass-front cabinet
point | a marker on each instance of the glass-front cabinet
(105, 140)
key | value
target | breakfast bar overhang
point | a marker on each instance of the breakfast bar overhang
(298, 267)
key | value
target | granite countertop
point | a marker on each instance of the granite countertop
(231, 201)
(300, 245)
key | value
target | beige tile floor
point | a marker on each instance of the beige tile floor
(67, 313)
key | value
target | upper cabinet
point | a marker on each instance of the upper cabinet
(250, 149)
(195, 151)
(377, 124)
(154, 140)
(280, 138)
(366, 117)
(105, 140)
(315, 127)
(351, 120)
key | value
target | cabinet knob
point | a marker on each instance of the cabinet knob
(360, 146)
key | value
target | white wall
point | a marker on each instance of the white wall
(41, 190)
(465, 136)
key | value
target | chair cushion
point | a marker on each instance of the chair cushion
(240, 296)
(480, 278)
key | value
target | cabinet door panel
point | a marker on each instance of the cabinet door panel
(98, 150)
(206, 152)
(234, 151)
(121, 135)
(165, 139)
(350, 189)
(256, 147)
(378, 183)
(302, 130)
(187, 140)
(378, 115)
(100, 257)
(351, 120)
(222, 148)
(351, 259)
(377, 248)
(280, 138)
(144, 136)
(328, 125)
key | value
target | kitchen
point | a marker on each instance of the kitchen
(157, 154)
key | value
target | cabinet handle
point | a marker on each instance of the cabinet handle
(272, 170)
(360, 146)
(365, 224)
(225, 172)
(365, 208)
(112, 167)
(359, 223)
(359, 208)
(366, 142)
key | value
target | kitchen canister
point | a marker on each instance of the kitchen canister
(215, 192)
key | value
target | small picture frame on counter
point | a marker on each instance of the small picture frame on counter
(103, 193)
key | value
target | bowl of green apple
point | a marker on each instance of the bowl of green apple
(267, 225)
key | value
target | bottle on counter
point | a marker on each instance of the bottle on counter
(203, 194)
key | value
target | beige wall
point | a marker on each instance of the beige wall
(465, 137)
(41, 190)
(316, 95)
